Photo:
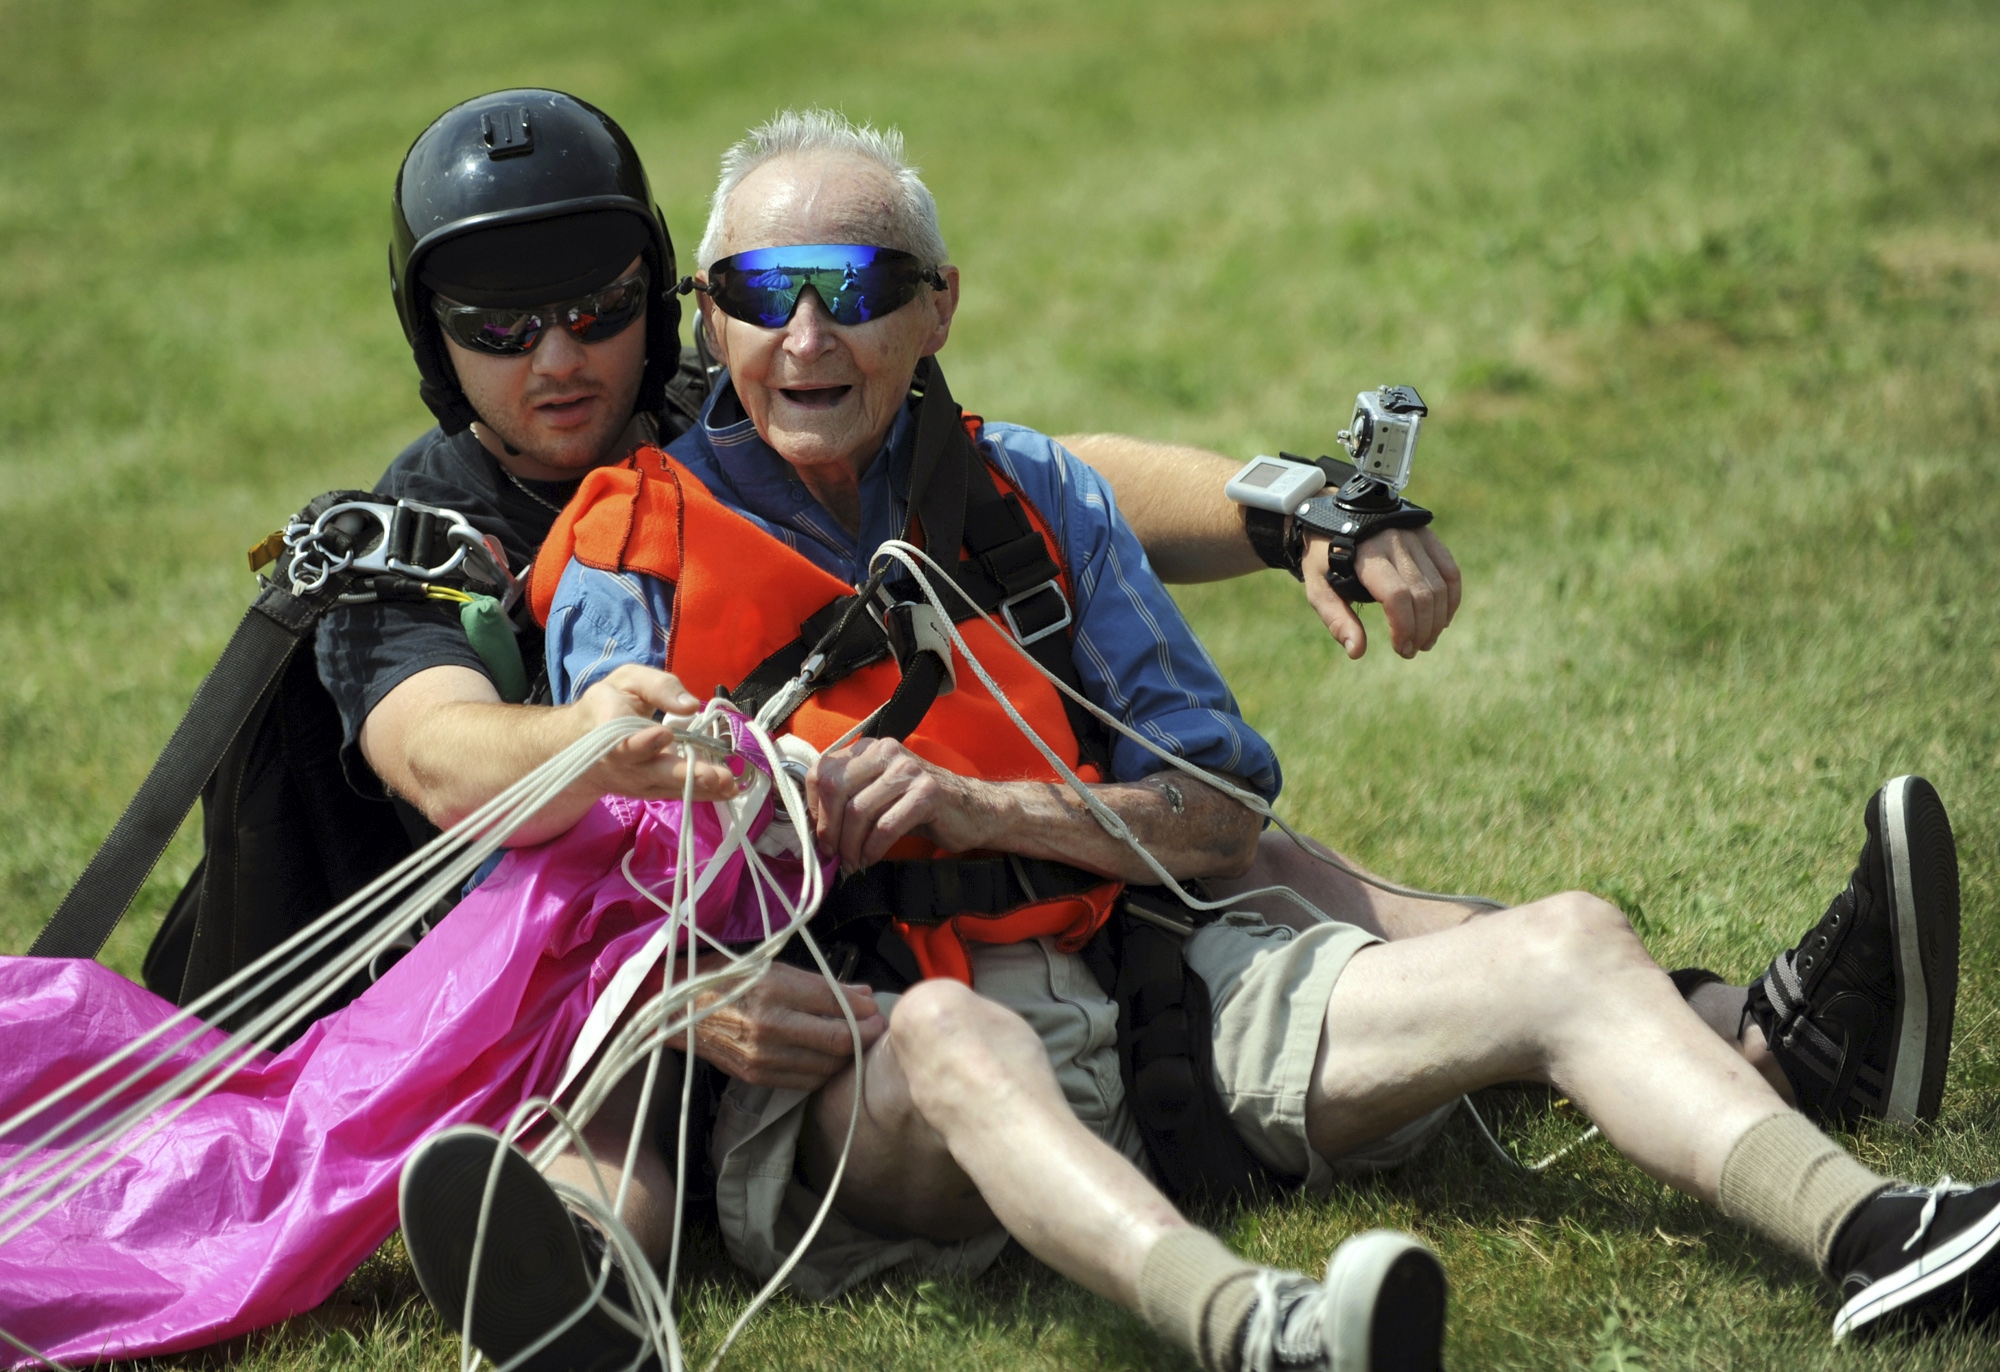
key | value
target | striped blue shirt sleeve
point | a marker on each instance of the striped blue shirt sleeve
(600, 621)
(1136, 657)
(1135, 653)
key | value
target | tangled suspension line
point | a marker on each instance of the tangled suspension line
(612, 1043)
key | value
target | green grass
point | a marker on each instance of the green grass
(1705, 296)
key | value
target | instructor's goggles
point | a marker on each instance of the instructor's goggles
(855, 282)
(590, 318)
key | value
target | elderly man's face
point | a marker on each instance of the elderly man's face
(820, 393)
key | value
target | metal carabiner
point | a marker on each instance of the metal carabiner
(486, 562)
(398, 529)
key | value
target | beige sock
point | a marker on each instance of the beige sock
(1794, 1185)
(1196, 1292)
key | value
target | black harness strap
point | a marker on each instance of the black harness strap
(232, 695)
(1009, 574)
(859, 643)
(255, 659)
(1166, 1052)
(940, 472)
(936, 890)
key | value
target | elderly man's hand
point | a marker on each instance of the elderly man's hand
(869, 794)
(787, 1031)
(1411, 574)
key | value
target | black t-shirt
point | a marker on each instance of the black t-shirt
(366, 651)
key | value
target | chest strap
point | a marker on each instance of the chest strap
(939, 908)
(930, 892)
(1010, 574)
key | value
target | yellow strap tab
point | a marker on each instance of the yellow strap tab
(264, 553)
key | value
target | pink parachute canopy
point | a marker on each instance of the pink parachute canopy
(259, 1201)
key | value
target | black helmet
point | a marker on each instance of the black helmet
(514, 161)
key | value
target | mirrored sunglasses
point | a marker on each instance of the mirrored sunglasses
(855, 282)
(592, 318)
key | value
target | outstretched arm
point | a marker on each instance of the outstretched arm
(445, 742)
(1171, 496)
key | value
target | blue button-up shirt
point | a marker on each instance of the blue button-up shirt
(1135, 655)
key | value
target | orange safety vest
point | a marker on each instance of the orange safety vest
(740, 595)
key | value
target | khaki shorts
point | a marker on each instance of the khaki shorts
(1269, 987)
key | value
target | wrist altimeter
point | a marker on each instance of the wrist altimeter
(1289, 498)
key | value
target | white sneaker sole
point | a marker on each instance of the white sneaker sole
(1926, 950)
(1385, 1302)
(1951, 1262)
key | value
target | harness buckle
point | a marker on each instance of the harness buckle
(915, 627)
(341, 540)
(1052, 586)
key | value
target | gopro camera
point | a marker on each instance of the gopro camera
(1382, 436)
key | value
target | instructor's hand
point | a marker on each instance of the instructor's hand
(1411, 574)
(787, 1031)
(646, 766)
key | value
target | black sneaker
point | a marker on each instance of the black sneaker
(1914, 1257)
(1380, 1309)
(537, 1268)
(1859, 1014)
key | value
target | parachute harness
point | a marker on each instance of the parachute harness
(42, 1177)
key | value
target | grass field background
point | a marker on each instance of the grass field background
(1705, 296)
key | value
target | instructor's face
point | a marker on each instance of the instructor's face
(562, 407)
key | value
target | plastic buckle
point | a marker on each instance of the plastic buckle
(1007, 612)
(916, 627)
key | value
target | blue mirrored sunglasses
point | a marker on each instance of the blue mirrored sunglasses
(855, 282)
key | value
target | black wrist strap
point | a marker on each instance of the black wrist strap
(1347, 519)
(1266, 529)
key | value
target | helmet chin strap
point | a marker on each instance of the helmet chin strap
(481, 430)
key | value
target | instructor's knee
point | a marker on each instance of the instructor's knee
(1579, 933)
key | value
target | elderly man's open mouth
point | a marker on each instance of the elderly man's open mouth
(815, 397)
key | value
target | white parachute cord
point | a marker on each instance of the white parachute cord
(489, 826)
(615, 1061)
(1581, 1139)
(307, 943)
(304, 945)
(286, 1012)
(907, 554)
(1107, 819)
(523, 1114)
(655, 1021)
(1487, 1134)
(681, 1152)
(792, 1260)
(684, 918)
(653, 1024)
(1507, 1157)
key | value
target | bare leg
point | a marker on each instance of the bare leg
(1560, 990)
(963, 1124)
(1279, 862)
(1721, 1009)
(649, 1202)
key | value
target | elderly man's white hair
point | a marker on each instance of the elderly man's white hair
(804, 132)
